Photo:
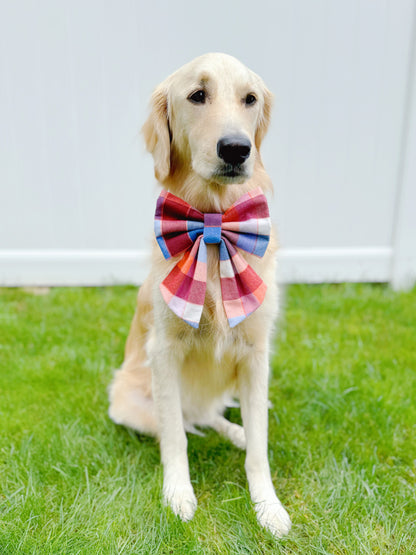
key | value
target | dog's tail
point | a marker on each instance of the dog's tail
(131, 402)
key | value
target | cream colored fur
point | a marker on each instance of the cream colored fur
(174, 377)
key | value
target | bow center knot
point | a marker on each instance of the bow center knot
(212, 229)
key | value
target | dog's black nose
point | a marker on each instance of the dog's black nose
(234, 150)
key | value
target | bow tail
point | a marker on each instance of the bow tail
(242, 289)
(184, 288)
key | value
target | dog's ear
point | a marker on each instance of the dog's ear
(157, 134)
(264, 119)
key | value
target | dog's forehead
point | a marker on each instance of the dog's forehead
(218, 68)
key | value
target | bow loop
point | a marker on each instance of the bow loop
(180, 228)
(177, 225)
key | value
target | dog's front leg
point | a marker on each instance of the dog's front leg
(253, 385)
(177, 488)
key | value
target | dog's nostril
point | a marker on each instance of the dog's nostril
(234, 150)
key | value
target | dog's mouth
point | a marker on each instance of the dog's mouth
(229, 173)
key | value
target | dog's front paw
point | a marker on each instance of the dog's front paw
(181, 500)
(273, 516)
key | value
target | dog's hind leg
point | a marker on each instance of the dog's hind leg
(130, 392)
(130, 403)
(234, 432)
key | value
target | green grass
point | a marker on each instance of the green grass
(341, 439)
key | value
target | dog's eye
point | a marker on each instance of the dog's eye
(197, 97)
(250, 99)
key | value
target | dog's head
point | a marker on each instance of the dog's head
(208, 117)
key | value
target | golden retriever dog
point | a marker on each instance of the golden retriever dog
(205, 128)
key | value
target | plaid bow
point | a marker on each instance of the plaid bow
(179, 228)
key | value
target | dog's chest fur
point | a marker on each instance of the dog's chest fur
(214, 351)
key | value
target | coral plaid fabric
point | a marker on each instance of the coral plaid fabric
(179, 228)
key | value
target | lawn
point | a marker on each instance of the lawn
(341, 435)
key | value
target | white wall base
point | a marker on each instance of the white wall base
(72, 267)
(116, 267)
(334, 265)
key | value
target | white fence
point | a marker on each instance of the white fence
(77, 189)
